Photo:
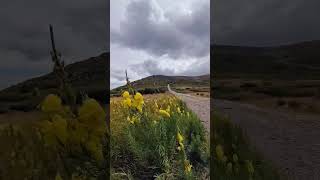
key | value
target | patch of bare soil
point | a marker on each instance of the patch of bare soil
(199, 105)
(289, 140)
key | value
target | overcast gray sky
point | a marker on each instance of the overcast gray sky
(153, 37)
(264, 22)
(148, 36)
(81, 29)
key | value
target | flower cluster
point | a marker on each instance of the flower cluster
(136, 103)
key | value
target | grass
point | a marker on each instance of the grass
(145, 144)
(53, 142)
(287, 95)
(234, 158)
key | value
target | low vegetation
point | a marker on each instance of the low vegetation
(233, 157)
(156, 137)
(57, 144)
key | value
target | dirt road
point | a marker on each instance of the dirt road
(199, 105)
(290, 141)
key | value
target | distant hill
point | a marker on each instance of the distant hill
(161, 81)
(295, 61)
(87, 76)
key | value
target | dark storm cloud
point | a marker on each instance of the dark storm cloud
(264, 23)
(81, 31)
(151, 67)
(178, 36)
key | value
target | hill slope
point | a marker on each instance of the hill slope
(161, 81)
(87, 76)
(296, 61)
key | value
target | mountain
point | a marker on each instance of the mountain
(88, 76)
(161, 82)
(293, 61)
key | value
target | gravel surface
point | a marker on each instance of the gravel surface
(199, 105)
(290, 141)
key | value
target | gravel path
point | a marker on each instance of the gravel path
(290, 141)
(199, 105)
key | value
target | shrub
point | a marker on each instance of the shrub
(233, 158)
(163, 134)
(58, 142)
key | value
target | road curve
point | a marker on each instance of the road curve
(199, 105)
(290, 141)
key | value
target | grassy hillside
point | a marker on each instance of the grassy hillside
(296, 61)
(284, 77)
(88, 76)
(160, 82)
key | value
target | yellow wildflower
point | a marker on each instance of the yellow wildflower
(220, 153)
(92, 113)
(178, 110)
(164, 113)
(187, 166)
(52, 103)
(126, 95)
(130, 120)
(179, 137)
(138, 97)
(127, 102)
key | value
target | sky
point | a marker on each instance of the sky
(81, 30)
(147, 36)
(264, 22)
(159, 37)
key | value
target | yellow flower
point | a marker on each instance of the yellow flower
(139, 108)
(92, 113)
(130, 120)
(126, 95)
(164, 113)
(178, 110)
(179, 138)
(187, 166)
(136, 119)
(220, 153)
(138, 97)
(127, 102)
(52, 103)
(180, 141)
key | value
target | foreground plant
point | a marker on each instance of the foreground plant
(233, 158)
(159, 136)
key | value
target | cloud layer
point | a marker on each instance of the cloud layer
(158, 39)
(264, 23)
(81, 31)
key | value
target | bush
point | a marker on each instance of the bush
(150, 137)
(57, 144)
(233, 158)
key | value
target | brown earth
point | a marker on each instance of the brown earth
(289, 140)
